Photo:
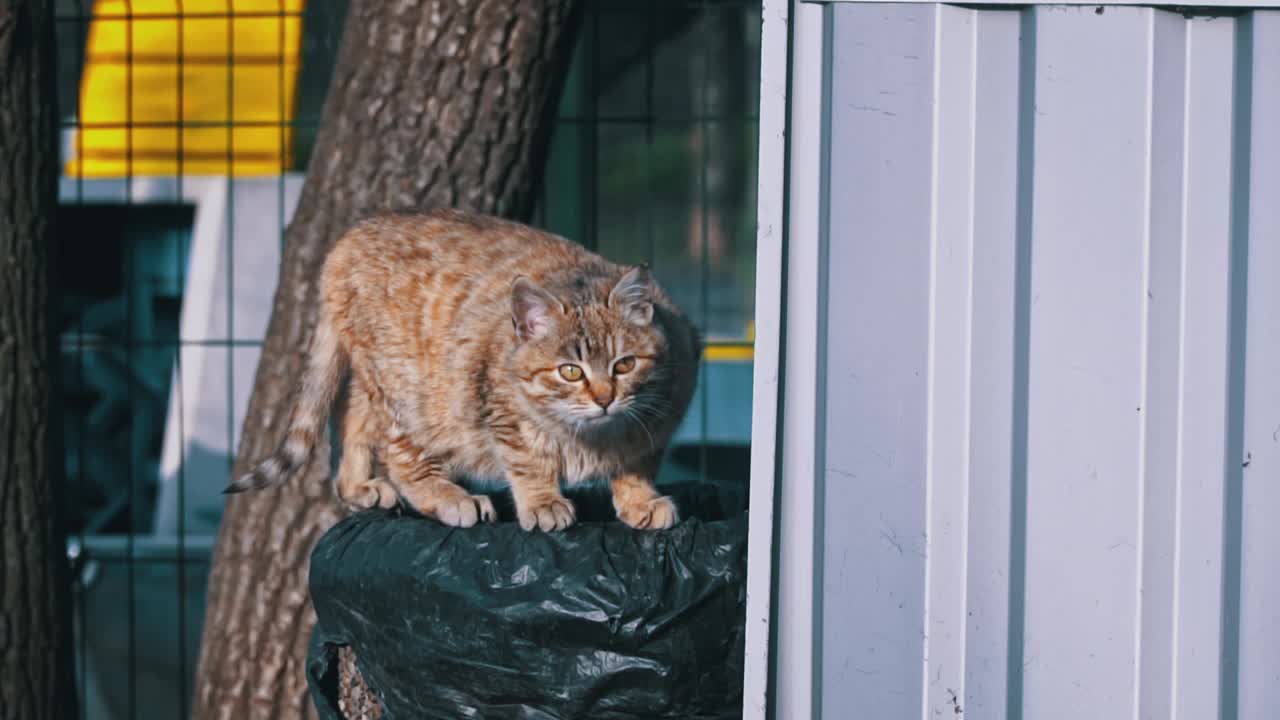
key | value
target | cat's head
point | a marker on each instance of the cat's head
(595, 356)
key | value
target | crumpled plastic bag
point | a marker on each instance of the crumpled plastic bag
(599, 621)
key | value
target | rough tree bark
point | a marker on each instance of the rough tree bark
(36, 681)
(432, 103)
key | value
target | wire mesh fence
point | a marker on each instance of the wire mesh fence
(188, 125)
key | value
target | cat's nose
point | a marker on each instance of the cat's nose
(603, 397)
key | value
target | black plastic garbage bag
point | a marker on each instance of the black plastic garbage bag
(599, 621)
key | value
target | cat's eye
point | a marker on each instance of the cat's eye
(625, 365)
(570, 372)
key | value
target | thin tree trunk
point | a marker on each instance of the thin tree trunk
(432, 103)
(35, 642)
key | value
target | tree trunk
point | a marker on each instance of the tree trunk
(432, 103)
(35, 643)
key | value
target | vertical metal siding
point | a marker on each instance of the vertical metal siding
(1049, 454)
(874, 502)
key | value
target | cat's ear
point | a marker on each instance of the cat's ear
(531, 309)
(634, 296)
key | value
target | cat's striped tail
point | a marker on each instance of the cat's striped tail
(326, 363)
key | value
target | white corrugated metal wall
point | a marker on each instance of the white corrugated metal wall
(1030, 445)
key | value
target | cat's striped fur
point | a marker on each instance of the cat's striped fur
(486, 349)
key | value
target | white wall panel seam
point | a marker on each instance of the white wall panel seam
(1160, 406)
(931, 552)
(821, 424)
(1024, 257)
(966, 418)
(1180, 441)
(949, 350)
(1241, 148)
(1143, 364)
(797, 570)
(769, 303)
(989, 425)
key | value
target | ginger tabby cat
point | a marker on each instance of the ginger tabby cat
(487, 350)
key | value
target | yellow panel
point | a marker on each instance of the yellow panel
(231, 89)
(731, 351)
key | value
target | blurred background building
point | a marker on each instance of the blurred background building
(187, 130)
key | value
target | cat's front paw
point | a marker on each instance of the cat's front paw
(550, 513)
(656, 514)
(371, 493)
(464, 511)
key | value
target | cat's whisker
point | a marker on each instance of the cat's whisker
(655, 402)
(630, 414)
(647, 411)
(652, 406)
